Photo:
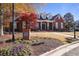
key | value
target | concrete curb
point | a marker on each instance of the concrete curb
(62, 49)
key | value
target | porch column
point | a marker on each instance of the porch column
(61, 25)
(47, 25)
(56, 25)
(41, 25)
(52, 26)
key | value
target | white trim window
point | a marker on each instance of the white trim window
(56, 25)
(61, 25)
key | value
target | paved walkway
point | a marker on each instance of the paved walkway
(73, 52)
(64, 34)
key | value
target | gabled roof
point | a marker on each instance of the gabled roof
(57, 17)
(44, 16)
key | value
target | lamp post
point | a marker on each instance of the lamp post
(74, 31)
(13, 30)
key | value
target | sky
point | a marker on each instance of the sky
(61, 8)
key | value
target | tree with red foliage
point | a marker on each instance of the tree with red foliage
(29, 18)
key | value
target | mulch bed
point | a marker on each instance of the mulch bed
(48, 45)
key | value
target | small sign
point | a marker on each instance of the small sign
(26, 35)
(25, 31)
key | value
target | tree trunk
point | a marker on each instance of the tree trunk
(13, 30)
(1, 27)
(1, 20)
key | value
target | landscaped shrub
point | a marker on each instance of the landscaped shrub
(8, 41)
(71, 39)
(27, 42)
(1, 42)
(16, 50)
(36, 42)
(18, 40)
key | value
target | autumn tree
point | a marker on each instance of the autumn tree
(29, 18)
(6, 13)
(19, 8)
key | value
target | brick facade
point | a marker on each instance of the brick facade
(55, 24)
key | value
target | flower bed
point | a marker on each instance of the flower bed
(18, 48)
(15, 50)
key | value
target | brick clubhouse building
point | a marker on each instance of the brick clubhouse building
(45, 23)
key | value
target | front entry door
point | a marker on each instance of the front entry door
(50, 26)
(43, 26)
